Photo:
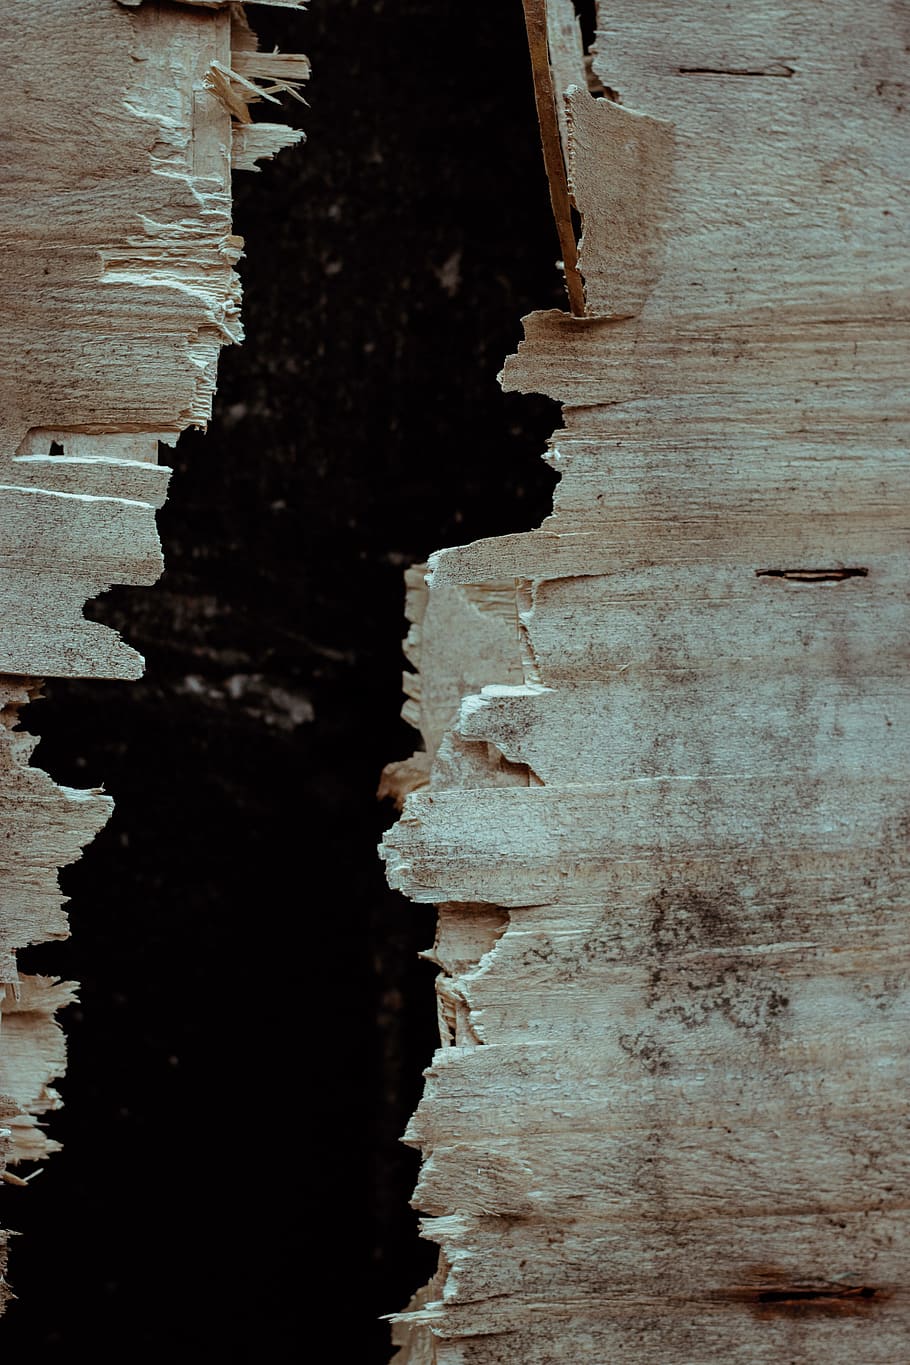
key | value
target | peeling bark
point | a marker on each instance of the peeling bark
(665, 820)
(118, 290)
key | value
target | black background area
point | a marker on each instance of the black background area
(254, 1018)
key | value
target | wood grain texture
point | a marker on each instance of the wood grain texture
(43, 827)
(667, 1122)
(117, 292)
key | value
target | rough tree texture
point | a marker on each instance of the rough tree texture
(663, 803)
(118, 290)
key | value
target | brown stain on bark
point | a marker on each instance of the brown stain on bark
(695, 971)
(775, 1293)
(835, 1301)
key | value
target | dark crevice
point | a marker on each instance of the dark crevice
(807, 1295)
(813, 575)
(587, 18)
(800, 1300)
(776, 69)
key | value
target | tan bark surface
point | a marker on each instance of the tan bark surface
(118, 289)
(667, 1122)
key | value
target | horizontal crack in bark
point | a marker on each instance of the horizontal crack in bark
(813, 575)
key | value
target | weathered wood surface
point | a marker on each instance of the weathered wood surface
(666, 818)
(120, 129)
(118, 292)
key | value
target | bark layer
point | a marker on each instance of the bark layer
(662, 795)
(118, 290)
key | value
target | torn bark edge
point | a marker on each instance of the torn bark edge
(535, 12)
(237, 92)
(29, 1009)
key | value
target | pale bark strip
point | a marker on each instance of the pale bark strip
(667, 1120)
(118, 290)
(118, 293)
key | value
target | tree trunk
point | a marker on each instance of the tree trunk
(662, 798)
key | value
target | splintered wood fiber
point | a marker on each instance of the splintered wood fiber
(661, 796)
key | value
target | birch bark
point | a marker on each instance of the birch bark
(668, 834)
(121, 124)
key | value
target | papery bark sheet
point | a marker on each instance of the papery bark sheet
(118, 291)
(662, 796)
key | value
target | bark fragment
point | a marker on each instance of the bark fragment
(664, 1123)
(118, 291)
